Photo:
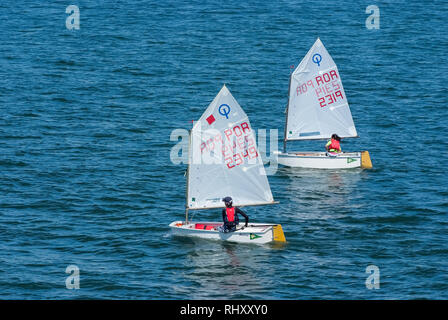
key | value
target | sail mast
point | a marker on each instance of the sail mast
(286, 117)
(188, 177)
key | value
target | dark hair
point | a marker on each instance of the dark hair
(335, 137)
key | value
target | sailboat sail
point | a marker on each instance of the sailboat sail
(318, 105)
(224, 159)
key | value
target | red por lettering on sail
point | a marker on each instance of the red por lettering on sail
(236, 144)
(326, 87)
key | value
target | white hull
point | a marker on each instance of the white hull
(255, 233)
(320, 160)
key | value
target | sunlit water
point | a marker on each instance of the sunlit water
(86, 117)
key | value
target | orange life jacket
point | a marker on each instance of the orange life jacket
(230, 212)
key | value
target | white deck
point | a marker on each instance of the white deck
(320, 160)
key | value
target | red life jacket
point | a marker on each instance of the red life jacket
(335, 145)
(230, 212)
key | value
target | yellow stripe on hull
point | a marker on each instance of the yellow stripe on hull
(279, 236)
(366, 163)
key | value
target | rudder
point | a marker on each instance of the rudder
(366, 163)
(279, 236)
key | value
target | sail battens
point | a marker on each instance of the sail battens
(317, 105)
(307, 134)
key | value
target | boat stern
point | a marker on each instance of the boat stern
(278, 235)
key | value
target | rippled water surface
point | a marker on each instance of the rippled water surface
(86, 176)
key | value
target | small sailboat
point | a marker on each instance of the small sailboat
(317, 108)
(223, 160)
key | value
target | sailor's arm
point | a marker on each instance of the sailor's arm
(224, 216)
(238, 210)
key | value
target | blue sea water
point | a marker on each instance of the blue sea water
(86, 177)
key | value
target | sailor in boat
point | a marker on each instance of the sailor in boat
(333, 146)
(230, 216)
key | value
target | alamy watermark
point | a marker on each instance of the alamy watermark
(235, 146)
(373, 280)
(72, 281)
(73, 20)
(373, 21)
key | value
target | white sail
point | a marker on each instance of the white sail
(318, 105)
(224, 159)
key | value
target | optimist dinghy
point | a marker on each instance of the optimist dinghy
(317, 108)
(223, 160)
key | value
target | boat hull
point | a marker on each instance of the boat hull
(258, 233)
(320, 160)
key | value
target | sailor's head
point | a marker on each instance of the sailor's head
(335, 137)
(228, 202)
